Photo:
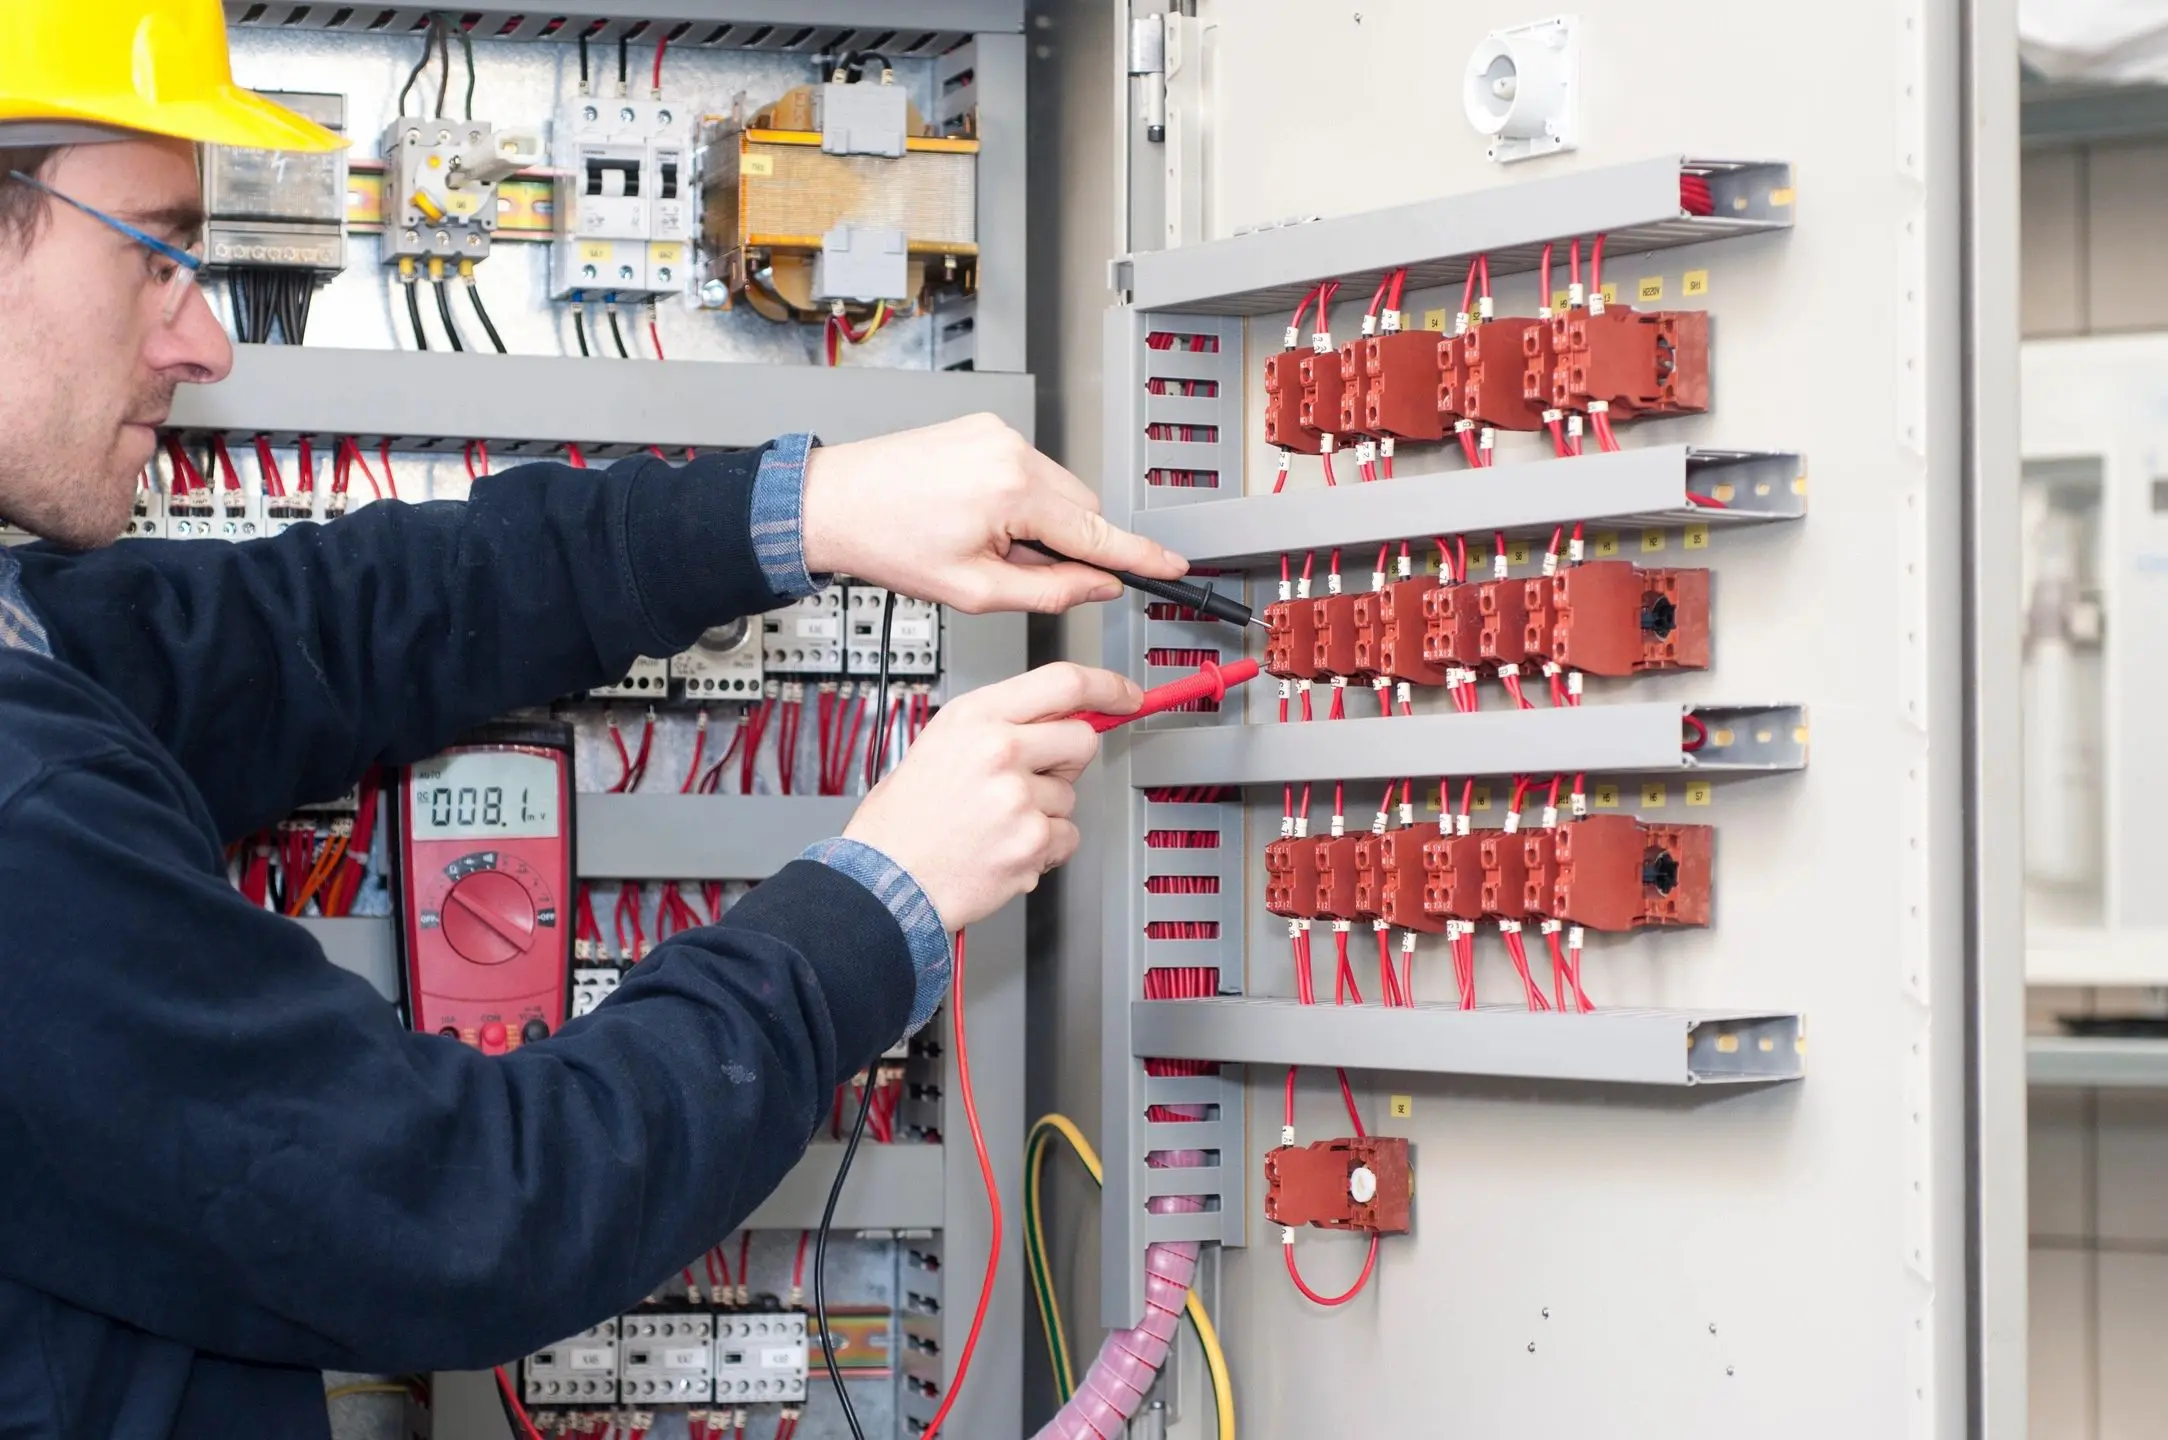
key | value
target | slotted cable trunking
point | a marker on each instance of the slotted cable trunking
(1178, 373)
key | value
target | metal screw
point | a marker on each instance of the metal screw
(713, 294)
(1531, 1347)
(1729, 1371)
(1546, 1312)
(663, 274)
(590, 114)
(1712, 1327)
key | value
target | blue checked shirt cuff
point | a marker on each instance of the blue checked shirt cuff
(779, 518)
(893, 886)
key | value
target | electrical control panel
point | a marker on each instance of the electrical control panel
(725, 663)
(626, 208)
(806, 637)
(440, 185)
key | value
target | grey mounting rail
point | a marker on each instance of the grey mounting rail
(1635, 206)
(899, 29)
(1614, 1047)
(700, 837)
(536, 404)
(2068, 1061)
(1647, 488)
(1638, 738)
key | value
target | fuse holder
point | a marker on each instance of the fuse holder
(1350, 419)
(1320, 372)
(1505, 874)
(1453, 626)
(1338, 874)
(1503, 604)
(1334, 649)
(1453, 876)
(1389, 880)
(1291, 640)
(1350, 1183)
(1652, 362)
(1611, 872)
(1494, 392)
(1283, 404)
(1291, 878)
(1451, 378)
(1389, 631)
(1539, 358)
(1609, 618)
(1397, 385)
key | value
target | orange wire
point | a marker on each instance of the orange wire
(993, 1197)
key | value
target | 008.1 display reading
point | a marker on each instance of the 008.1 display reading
(484, 796)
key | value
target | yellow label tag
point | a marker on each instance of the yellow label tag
(1434, 799)
(1652, 541)
(1780, 198)
(1434, 319)
(1697, 792)
(1653, 795)
(1649, 287)
(1610, 293)
(1478, 557)
(1401, 1106)
(1697, 537)
(1604, 796)
(757, 167)
(462, 204)
(666, 254)
(1516, 552)
(1604, 544)
(595, 252)
(1559, 299)
(1430, 566)
(1694, 282)
(1482, 798)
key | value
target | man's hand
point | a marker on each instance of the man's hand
(980, 808)
(933, 514)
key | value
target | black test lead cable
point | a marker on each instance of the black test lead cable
(1201, 598)
(865, 1099)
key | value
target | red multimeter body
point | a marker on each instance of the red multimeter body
(484, 861)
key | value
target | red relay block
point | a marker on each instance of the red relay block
(1611, 872)
(1338, 873)
(1334, 650)
(1609, 618)
(1451, 379)
(1494, 357)
(1389, 880)
(1505, 874)
(1320, 372)
(1641, 362)
(1291, 639)
(1351, 392)
(1345, 1184)
(1453, 626)
(1396, 385)
(1503, 605)
(1283, 404)
(1291, 878)
(1389, 631)
(1453, 877)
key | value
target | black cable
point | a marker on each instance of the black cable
(583, 62)
(419, 66)
(237, 293)
(481, 312)
(414, 313)
(624, 61)
(466, 45)
(865, 1099)
(444, 310)
(617, 333)
(444, 76)
(308, 298)
(579, 325)
(855, 62)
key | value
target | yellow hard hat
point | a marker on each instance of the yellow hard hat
(155, 66)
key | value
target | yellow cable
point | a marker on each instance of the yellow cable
(1215, 1358)
(365, 1387)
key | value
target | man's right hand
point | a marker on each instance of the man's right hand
(981, 806)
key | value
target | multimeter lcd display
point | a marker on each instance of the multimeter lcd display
(484, 795)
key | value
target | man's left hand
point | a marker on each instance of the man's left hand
(936, 513)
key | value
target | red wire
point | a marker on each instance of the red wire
(993, 1199)
(519, 1411)
(660, 46)
(1369, 1263)
(655, 336)
(391, 482)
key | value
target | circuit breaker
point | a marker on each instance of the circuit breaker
(626, 208)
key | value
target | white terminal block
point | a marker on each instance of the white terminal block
(723, 664)
(578, 1371)
(760, 1359)
(626, 206)
(590, 988)
(146, 522)
(280, 516)
(666, 1359)
(914, 634)
(649, 679)
(231, 517)
(806, 636)
(1522, 89)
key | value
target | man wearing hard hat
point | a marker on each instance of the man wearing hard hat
(224, 1165)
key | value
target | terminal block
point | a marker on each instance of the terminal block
(578, 1371)
(1610, 618)
(666, 1359)
(1389, 880)
(760, 1359)
(590, 987)
(440, 185)
(1493, 381)
(1334, 650)
(806, 636)
(914, 634)
(1504, 857)
(626, 208)
(1284, 424)
(1393, 386)
(1291, 639)
(1362, 1183)
(1390, 627)
(146, 522)
(1637, 362)
(1453, 877)
(648, 679)
(1291, 878)
(1321, 384)
(1611, 872)
(723, 664)
(1453, 627)
(1338, 874)
(1503, 606)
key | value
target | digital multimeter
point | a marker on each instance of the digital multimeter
(484, 873)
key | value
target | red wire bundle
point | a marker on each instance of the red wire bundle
(787, 732)
(635, 765)
(631, 934)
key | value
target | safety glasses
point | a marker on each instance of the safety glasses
(175, 284)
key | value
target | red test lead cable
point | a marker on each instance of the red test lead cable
(1211, 682)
